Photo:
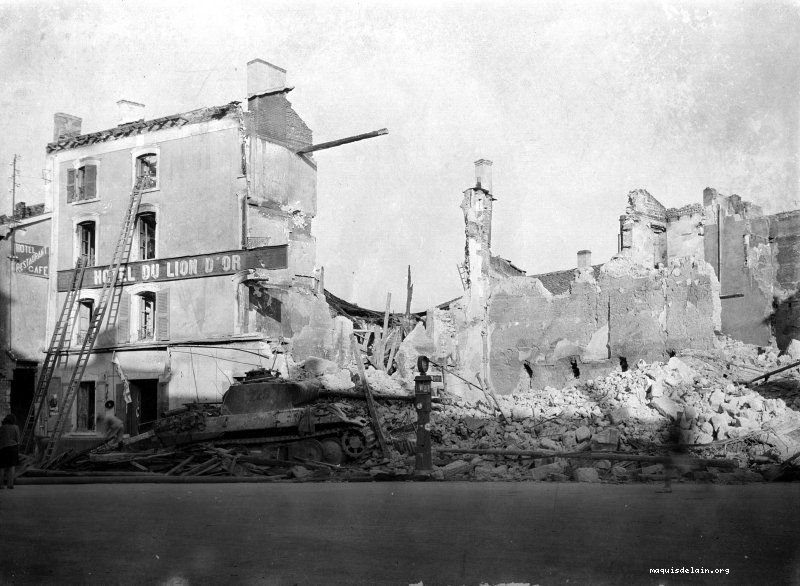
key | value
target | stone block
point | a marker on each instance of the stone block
(549, 444)
(667, 407)
(582, 434)
(586, 475)
(521, 412)
(606, 440)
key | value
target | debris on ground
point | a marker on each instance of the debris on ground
(690, 417)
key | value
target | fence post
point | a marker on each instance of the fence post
(422, 402)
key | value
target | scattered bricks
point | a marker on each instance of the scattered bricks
(667, 407)
(438, 474)
(620, 415)
(582, 434)
(586, 475)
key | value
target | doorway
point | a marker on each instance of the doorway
(143, 408)
(22, 388)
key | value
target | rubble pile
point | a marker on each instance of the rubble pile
(693, 403)
(692, 414)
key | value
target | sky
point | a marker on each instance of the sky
(576, 103)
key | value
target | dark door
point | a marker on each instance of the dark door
(22, 388)
(143, 408)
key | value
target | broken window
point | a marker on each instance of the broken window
(82, 183)
(86, 242)
(261, 309)
(147, 313)
(85, 407)
(147, 170)
(146, 235)
(85, 312)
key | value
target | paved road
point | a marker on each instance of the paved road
(398, 533)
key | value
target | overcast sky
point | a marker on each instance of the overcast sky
(576, 103)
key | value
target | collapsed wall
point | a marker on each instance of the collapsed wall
(630, 313)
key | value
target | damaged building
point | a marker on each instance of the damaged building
(676, 281)
(25, 244)
(221, 277)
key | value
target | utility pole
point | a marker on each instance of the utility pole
(14, 186)
(6, 372)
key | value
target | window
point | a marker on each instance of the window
(82, 183)
(147, 170)
(146, 235)
(85, 411)
(147, 314)
(86, 242)
(85, 312)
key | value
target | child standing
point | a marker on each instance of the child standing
(9, 450)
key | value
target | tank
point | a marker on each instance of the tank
(281, 419)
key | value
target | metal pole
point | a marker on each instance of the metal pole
(422, 402)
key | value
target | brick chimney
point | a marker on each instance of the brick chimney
(264, 78)
(584, 259)
(483, 175)
(271, 113)
(129, 111)
(65, 126)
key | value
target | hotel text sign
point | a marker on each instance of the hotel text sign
(184, 267)
(31, 259)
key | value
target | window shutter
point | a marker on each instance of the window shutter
(124, 319)
(90, 182)
(162, 315)
(70, 185)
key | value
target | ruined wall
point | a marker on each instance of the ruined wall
(745, 267)
(643, 227)
(784, 233)
(632, 312)
(685, 228)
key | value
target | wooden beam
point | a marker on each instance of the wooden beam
(341, 141)
(409, 293)
(373, 411)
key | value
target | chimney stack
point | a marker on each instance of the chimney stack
(130, 111)
(584, 259)
(65, 126)
(264, 77)
(483, 175)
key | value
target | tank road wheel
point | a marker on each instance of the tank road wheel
(307, 450)
(354, 443)
(332, 452)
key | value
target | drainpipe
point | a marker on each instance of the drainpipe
(719, 245)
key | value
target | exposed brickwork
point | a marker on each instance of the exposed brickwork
(273, 117)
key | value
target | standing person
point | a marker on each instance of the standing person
(9, 450)
(114, 428)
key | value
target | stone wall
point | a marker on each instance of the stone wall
(631, 313)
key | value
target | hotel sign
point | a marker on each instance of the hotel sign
(184, 267)
(31, 259)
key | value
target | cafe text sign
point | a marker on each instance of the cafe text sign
(31, 259)
(184, 267)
